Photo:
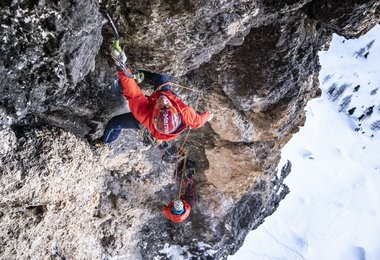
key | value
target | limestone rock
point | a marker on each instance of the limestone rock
(46, 49)
(349, 19)
(229, 123)
(240, 168)
(253, 63)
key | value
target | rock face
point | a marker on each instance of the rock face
(256, 64)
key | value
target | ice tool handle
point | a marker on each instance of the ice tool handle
(138, 76)
(116, 45)
(111, 23)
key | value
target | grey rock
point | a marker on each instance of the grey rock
(349, 18)
(256, 65)
(47, 48)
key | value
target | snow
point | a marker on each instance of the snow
(176, 252)
(333, 208)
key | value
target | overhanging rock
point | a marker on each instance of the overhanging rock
(255, 62)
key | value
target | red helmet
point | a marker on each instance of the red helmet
(166, 119)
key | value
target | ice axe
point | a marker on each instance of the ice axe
(137, 75)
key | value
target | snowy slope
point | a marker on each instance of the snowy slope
(333, 209)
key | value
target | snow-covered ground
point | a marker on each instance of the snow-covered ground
(333, 208)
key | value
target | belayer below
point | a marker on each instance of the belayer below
(163, 113)
(177, 210)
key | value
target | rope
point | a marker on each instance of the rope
(182, 151)
(181, 182)
(180, 86)
(177, 85)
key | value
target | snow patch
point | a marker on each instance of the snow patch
(332, 209)
(176, 252)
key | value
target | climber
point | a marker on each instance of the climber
(177, 210)
(163, 113)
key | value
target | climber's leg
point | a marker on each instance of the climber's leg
(117, 123)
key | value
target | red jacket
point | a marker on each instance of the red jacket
(142, 108)
(177, 218)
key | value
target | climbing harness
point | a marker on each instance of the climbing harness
(137, 75)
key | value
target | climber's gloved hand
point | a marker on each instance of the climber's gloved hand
(120, 58)
(139, 77)
(211, 117)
